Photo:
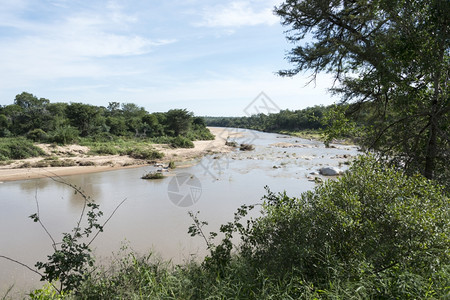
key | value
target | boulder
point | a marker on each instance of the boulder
(331, 171)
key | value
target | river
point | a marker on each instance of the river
(154, 216)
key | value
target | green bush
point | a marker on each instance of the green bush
(18, 148)
(104, 149)
(144, 153)
(153, 175)
(64, 135)
(37, 135)
(374, 233)
(200, 133)
(181, 142)
(374, 228)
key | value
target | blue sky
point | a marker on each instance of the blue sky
(210, 57)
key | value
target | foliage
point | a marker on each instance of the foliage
(375, 230)
(389, 58)
(337, 125)
(18, 148)
(144, 153)
(178, 121)
(375, 233)
(64, 135)
(308, 118)
(71, 258)
(63, 123)
(48, 292)
(181, 142)
(71, 261)
(104, 149)
(153, 175)
(86, 118)
(37, 135)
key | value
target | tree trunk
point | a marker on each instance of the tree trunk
(430, 158)
(431, 151)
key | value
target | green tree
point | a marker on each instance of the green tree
(34, 112)
(178, 121)
(153, 125)
(87, 118)
(13, 113)
(393, 55)
(113, 108)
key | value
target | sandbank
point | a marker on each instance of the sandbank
(78, 154)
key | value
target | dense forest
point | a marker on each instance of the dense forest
(285, 120)
(39, 120)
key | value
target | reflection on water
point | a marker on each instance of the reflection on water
(148, 219)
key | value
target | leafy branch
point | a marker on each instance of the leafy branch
(71, 259)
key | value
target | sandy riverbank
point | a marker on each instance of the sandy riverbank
(78, 154)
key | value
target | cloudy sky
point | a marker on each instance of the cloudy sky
(211, 57)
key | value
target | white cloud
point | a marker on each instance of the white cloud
(237, 14)
(69, 46)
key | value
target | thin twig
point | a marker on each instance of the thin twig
(22, 264)
(78, 190)
(107, 220)
(40, 222)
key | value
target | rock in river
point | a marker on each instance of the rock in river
(330, 171)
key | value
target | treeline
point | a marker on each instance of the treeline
(310, 118)
(40, 120)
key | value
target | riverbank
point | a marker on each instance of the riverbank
(69, 155)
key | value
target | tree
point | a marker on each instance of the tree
(179, 121)
(87, 118)
(389, 56)
(34, 112)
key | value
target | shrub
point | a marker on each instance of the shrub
(104, 149)
(200, 134)
(153, 175)
(64, 135)
(181, 142)
(18, 148)
(374, 227)
(37, 135)
(144, 153)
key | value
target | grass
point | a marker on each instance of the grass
(49, 162)
(134, 276)
(304, 134)
(135, 148)
(315, 135)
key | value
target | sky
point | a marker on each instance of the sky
(215, 58)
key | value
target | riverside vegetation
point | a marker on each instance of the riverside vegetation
(375, 233)
(381, 231)
(124, 129)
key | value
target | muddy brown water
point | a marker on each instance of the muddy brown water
(155, 215)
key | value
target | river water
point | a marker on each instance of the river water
(154, 216)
